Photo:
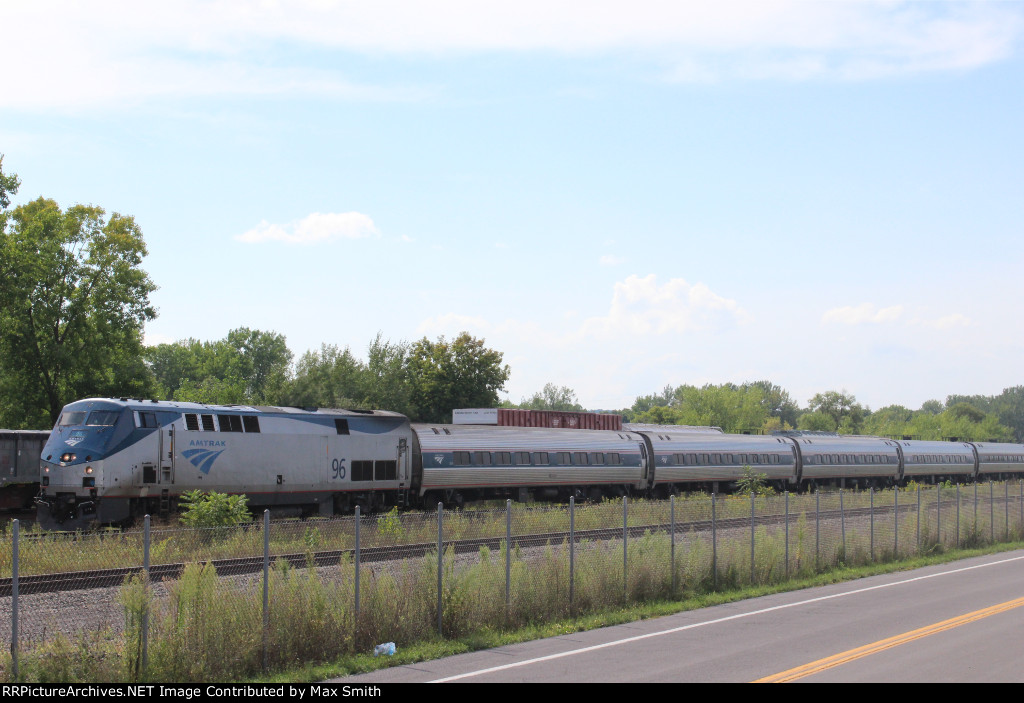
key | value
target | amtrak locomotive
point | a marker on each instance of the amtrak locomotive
(110, 460)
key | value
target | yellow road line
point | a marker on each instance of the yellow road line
(888, 643)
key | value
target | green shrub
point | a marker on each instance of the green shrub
(214, 509)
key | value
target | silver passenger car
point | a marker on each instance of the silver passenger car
(480, 461)
(999, 458)
(830, 458)
(682, 458)
(925, 458)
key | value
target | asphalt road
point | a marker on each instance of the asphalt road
(962, 621)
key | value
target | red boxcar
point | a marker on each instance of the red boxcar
(514, 417)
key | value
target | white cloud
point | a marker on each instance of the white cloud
(104, 51)
(610, 260)
(861, 314)
(640, 311)
(315, 228)
(866, 313)
(641, 307)
(947, 321)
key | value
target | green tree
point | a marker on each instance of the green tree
(644, 403)
(817, 422)
(776, 402)
(552, 397)
(8, 186)
(386, 376)
(248, 366)
(444, 375)
(846, 413)
(1008, 407)
(73, 302)
(329, 378)
(890, 421)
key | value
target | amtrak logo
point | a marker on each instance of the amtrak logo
(202, 459)
(438, 458)
(75, 438)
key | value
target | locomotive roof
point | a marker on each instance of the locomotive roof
(187, 406)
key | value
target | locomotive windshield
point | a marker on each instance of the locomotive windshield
(104, 418)
(71, 418)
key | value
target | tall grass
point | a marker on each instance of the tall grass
(203, 627)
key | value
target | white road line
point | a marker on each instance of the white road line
(691, 626)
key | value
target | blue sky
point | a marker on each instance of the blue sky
(615, 195)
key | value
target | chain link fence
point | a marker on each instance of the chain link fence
(174, 604)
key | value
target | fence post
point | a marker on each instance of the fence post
(672, 551)
(896, 521)
(572, 549)
(15, 530)
(752, 538)
(440, 567)
(817, 528)
(842, 522)
(1006, 511)
(266, 584)
(145, 606)
(787, 534)
(918, 519)
(991, 513)
(357, 555)
(957, 544)
(625, 550)
(975, 527)
(938, 513)
(714, 543)
(871, 512)
(508, 553)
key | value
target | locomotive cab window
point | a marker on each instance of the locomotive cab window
(230, 423)
(70, 419)
(106, 418)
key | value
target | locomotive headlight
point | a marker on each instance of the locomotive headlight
(67, 457)
(46, 469)
(88, 469)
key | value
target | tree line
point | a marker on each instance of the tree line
(762, 407)
(74, 301)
